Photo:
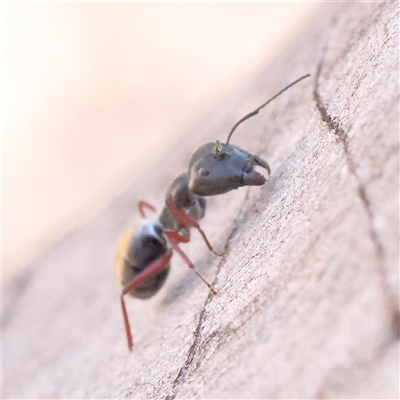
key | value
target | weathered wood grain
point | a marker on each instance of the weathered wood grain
(308, 291)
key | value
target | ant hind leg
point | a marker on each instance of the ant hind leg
(151, 270)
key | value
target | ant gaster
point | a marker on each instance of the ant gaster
(142, 260)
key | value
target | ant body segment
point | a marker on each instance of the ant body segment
(142, 260)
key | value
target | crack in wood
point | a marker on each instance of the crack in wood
(183, 371)
(180, 378)
(335, 126)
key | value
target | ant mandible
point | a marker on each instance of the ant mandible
(142, 260)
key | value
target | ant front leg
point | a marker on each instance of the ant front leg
(151, 270)
(187, 221)
(173, 239)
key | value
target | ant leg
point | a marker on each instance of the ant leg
(177, 237)
(150, 271)
(174, 245)
(186, 220)
(144, 204)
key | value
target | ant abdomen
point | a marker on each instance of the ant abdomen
(137, 250)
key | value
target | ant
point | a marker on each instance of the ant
(142, 260)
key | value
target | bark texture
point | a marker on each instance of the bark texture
(308, 290)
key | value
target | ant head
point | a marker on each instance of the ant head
(217, 168)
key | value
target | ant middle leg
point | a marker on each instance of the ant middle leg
(186, 220)
(172, 241)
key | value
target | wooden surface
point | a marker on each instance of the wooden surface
(308, 291)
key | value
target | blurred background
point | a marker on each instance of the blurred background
(94, 92)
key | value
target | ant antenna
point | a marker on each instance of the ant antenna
(259, 108)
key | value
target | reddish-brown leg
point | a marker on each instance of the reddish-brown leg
(170, 237)
(151, 270)
(144, 204)
(178, 237)
(186, 220)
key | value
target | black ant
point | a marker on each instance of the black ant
(142, 260)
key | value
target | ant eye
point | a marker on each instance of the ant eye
(203, 172)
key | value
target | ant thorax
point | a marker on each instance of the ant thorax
(179, 197)
(197, 209)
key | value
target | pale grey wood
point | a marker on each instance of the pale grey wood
(308, 291)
